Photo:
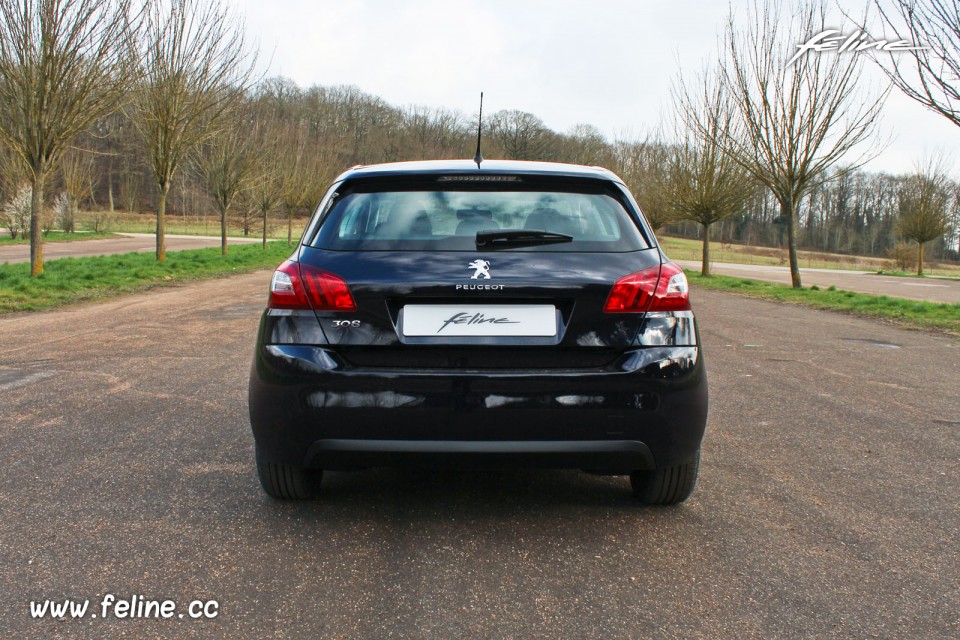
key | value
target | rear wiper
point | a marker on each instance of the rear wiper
(493, 239)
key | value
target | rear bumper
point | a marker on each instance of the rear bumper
(591, 454)
(308, 408)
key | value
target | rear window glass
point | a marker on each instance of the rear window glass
(448, 220)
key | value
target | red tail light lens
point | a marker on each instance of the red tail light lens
(632, 293)
(660, 288)
(325, 291)
(300, 286)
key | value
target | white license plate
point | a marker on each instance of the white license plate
(483, 320)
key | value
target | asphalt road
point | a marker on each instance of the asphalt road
(827, 506)
(139, 242)
(930, 289)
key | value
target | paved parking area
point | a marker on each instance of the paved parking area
(827, 506)
(930, 289)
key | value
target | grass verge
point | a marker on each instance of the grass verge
(912, 313)
(69, 280)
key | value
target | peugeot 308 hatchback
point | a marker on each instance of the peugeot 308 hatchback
(504, 313)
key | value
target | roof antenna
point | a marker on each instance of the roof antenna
(479, 157)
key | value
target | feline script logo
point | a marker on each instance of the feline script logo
(834, 40)
(476, 318)
(481, 269)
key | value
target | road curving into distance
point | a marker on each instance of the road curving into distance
(931, 289)
(126, 243)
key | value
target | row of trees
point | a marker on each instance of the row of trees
(800, 128)
(130, 103)
(285, 143)
(765, 123)
(176, 68)
(859, 213)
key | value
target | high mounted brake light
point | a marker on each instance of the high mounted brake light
(479, 178)
(299, 286)
(660, 288)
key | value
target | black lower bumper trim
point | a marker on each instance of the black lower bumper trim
(612, 455)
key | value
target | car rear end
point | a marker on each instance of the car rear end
(443, 314)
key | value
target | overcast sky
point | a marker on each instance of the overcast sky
(606, 63)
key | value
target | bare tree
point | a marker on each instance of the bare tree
(304, 178)
(929, 74)
(705, 184)
(434, 133)
(193, 62)
(310, 165)
(793, 121)
(248, 217)
(585, 144)
(521, 135)
(130, 182)
(63, 65)
(226, 165)
(925, 201)
(267, 184)
(77, 172)
(643, 168)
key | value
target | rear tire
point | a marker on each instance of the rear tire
(669, 485)
(288, 482)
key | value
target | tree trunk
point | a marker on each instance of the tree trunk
(264, 229)
(162, 224)
(223, 231)
(289, 227)
(110, 190)
(788, 212)
(705, 267)
(36, 212)
(919, 258)
(68, 225)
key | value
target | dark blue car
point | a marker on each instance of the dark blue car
(515, 313)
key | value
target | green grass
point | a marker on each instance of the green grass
(911, 313)
(59, 236)
(70, 280)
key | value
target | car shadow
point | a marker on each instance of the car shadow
(432, 494)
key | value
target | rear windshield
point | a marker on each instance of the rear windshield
(448, 220)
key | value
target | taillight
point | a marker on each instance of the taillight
(300, 286)
(660, 288)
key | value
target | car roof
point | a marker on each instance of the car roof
(469, 167)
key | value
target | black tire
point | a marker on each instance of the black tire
(288, 482)
(669, 485)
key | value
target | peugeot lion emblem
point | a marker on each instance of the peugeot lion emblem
(481, 270)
